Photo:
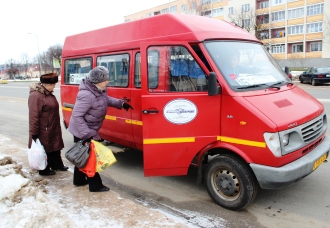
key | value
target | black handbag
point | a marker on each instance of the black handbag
(79, 153)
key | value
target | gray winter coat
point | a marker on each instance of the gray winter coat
(44, 118)
(89, 110)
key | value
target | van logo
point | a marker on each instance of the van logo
(180, 111)
(295, 124)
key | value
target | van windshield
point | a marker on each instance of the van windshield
(246, 66)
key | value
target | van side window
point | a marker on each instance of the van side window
(76, 69)
(153, 66)
(137, 70)
(118, 66)
(176, 70)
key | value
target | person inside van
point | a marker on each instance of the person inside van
(235, 72)
(233, 69)
(87, 117)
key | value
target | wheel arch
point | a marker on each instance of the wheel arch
(219, 149)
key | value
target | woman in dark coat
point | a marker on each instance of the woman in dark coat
(87, 117)
(44, 122)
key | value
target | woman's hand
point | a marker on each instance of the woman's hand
(127, 106)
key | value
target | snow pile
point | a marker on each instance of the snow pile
(23, 203)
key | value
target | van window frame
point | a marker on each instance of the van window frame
(76, 77)
(137, 67)
(177, 83)
(98, 63)
(150, 86)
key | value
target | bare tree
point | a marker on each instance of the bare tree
(294, 58)
(35, 60)
(55, 52)
(12, 68)
(47, 63)
(242, 19)
(47, 58)
(249, 21)
(25, 63)
(196, 7)
(258, 25)
(302, 62)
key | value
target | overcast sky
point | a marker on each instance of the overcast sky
(51, 21)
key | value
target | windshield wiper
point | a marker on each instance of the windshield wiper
(251, 86)
(274, 85)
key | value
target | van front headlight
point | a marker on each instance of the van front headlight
(273, 142)
(285, 139)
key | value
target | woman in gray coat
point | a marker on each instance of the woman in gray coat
(88, 115)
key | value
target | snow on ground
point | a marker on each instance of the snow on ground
(30, 200)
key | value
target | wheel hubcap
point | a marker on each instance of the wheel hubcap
(226, 184)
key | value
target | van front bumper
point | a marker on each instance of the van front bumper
(281, 177)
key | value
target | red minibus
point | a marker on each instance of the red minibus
(206, 94)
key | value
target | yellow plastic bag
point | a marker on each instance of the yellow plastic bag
(104, 156)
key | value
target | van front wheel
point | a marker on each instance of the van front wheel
(230, 183)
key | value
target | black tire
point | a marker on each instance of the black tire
(230, 182)
(313, 82)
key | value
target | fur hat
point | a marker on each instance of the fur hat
(98, 74)
(50, 78)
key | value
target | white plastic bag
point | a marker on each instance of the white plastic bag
(37, 156)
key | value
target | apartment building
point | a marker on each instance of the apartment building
(296, 32)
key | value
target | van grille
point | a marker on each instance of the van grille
(312, 131)
(303, 135)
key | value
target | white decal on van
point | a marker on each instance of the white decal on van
(180, 111)
(248, 79)
(76, 78)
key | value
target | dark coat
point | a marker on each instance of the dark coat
(44, 118)
(90, 109)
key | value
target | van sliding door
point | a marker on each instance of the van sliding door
(117, 125)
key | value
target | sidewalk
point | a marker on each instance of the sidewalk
(30, 200)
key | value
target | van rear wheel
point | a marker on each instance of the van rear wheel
(230, 182)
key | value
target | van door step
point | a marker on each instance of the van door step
(116, 148)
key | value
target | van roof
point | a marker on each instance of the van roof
(164, 27)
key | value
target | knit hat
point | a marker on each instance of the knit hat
(98, 74)
(50, 78)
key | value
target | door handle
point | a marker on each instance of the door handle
(152, 111)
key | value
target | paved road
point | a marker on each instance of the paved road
(305, 204)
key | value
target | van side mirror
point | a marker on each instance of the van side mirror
(213, 88)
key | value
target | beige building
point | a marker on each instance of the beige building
(296, 32)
